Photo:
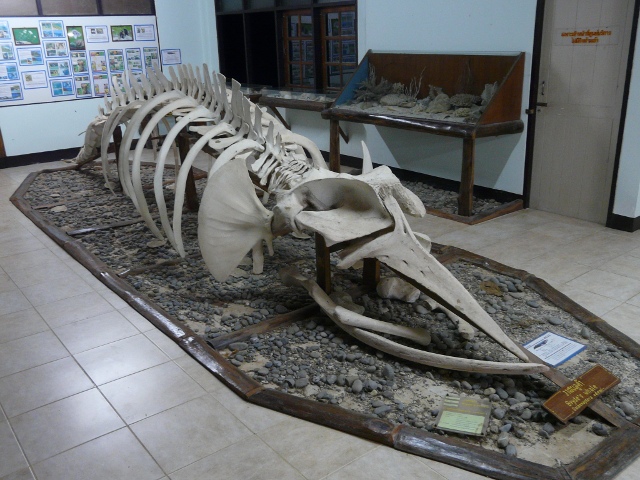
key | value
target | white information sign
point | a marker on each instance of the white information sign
(553, 348)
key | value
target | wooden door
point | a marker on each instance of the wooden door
(582, 72)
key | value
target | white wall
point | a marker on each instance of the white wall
(440, 26)
(52, 126)
(627, 198)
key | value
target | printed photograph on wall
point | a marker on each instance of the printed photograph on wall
(116, 60)
(52, 29)
(349, 51)
(58, 68)
(10, 91)
(6, 52)
(83, 86)
(121, 33)
(307, 51)
(61, 88)
(134, 59)
(28, 57)
(79, 62)
(171, 56)
(306, 26)
(34, 79)
(150, 55)
(26, 36)
(55, 49)
(98, 60)
(333, 24)
(8, 72)
(144, 33)
(101, 84)
(96, 34)
(76, 38)
(348, 23)
(5, 33)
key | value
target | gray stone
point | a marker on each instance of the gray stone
(555, 321)
(547, 427)
(503, 440)
(520, 397)
(526, 414)
(498, 413)
(502, 393)
(382, 410)
(357, 386)
(511, 450)
(599, 429)
(533, 304)
(239, 346)
(628, 409)
(301, 382)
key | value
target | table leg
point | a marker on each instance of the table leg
(117, 140)
(323, 264)
(190, 190)
(465, 197)
(334, 145)
(371, 272)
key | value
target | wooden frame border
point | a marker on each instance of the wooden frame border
(602, 462)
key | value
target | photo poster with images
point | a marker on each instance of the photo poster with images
(54, 59)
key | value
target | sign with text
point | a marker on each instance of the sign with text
(464, 415)
(554, 349)
(574, 397)
(587, 36)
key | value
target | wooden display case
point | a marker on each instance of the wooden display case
(455, 73)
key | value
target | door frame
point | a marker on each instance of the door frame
(613, 221)
(618, 221)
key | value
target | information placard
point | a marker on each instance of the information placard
(554, 349)
(464, 415)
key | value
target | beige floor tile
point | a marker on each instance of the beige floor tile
(596, 304)
(607, 284)
(331, 449)
(250, 458)
(16, 246)
(597, 249)
(385, 463)
(75, 308)
(21, 324)
(198, 428)
(95, 332)
(164, 343)
(151, 391)
(64, 424)
(567, 232)
(34, 267)
(22, 474)
(13, 301)
(634, 301)
(115, 456)
(516, 251)
(625, 265)
(201, 375)
(11, 457)
(67, 286)
(115, 301)
(434, 226)
(625, 318)
(257, 418)
(450, 472)
(6, 284)
(28, 352)
(39, 386)
(119, 359)
(554, 269)
(136, 319)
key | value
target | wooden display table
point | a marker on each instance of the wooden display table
(463, 73)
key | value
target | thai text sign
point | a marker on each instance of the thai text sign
(574, 397)
(587, 36)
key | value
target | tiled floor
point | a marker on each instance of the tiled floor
(90, 390)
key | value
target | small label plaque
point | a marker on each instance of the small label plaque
(574, 397)
(464, 415)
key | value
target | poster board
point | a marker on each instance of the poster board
(56, 59)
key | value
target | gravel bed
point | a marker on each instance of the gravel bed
(316, 360)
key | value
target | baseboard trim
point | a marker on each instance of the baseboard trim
(626, 224)
(40, 157)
